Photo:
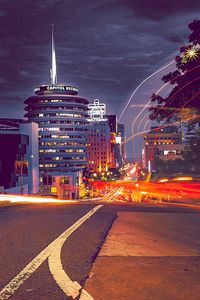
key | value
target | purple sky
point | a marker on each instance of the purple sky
(106, 48)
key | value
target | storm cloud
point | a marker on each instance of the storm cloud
(105, 48)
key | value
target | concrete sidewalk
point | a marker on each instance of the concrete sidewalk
(149, 256)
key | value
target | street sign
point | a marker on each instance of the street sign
(97, 110)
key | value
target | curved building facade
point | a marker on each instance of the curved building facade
(61, 115)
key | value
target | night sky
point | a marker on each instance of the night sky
(105, 48)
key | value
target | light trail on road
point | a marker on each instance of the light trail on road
(137, 88)
(148, 103)
(164, 189)
(142, 119)
(29, 199)
(162, 126)
(176, 110)
(176, 91)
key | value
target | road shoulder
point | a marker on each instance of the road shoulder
(142, 259)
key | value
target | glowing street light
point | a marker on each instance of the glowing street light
(189, 54)
(192, 53)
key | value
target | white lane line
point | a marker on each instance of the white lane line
(69, 287)
(19, 279)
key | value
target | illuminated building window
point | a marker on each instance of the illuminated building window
(64, 136)
(50, 150)
(57, 158)
(66, 115)
(52, 129)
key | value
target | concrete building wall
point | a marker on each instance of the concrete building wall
(32, 156)
(17, 190)
(66, 186)
(19, 167)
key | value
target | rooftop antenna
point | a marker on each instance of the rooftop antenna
(53, 62)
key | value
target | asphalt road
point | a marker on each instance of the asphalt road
(27, 229)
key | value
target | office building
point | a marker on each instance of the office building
(105, 139)
(19, 163)
(98, 138)
(112, 121)
(120, 152)
(61, 116)
(99, 146)
(163, 143)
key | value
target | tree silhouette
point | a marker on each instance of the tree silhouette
(183, 102)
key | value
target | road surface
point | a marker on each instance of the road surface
(37, 262)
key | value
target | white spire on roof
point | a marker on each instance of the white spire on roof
(53, 66)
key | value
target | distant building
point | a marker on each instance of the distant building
(19, 164)
(112, 121)
(105, 136)
(98, 138)
(99, 146)
(188, 134)
(163, 143)
(120, 142)
(117, 141)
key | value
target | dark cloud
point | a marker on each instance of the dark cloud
(106, 48)
(177, 39)
(159, 9)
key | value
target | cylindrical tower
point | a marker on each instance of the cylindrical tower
(61, 115)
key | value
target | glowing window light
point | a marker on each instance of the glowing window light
(52, 129)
